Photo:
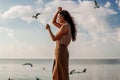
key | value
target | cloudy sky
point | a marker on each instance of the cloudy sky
(21, 36)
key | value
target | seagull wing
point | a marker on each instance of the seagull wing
(95, 3)
(25, 64)
(28, 64)
(71, 72)
(84, 70)
(33, 16)
(38, 14)
(31, 65)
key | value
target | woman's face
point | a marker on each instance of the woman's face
(60, 18)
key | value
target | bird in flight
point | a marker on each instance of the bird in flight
(28, 64)
(73, 71)
(37, 78)
(84, 70)
(36, 16)
(96, 4)
(44, 68)
(10, 78)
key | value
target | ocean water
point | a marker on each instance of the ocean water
(96, 69)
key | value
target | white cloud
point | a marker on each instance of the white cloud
(50, 8)
(17, 49)
(0, 14)
(101, 47)
(97, 42)
(11, 47)
(39, 2)
(5, 30)
(91, 19)
(108, 4)
(22, 12)
(118, 34)
(118, 3)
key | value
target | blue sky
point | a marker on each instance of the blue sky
(21, 36)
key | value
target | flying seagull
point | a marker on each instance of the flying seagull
(28, 64)
(44, 68)
(36, 16)
(10, 78)
(96, 5)
(37, 78)
(73, 71)
(84, 70)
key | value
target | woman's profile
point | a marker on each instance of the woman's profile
(66, 32)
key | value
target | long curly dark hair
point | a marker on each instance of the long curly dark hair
(69, 19)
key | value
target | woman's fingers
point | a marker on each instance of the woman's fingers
(59, 8)
(47, 26)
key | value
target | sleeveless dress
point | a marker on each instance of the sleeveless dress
(62, 55)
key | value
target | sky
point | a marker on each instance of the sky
(21, 36)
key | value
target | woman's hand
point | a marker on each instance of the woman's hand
(59, 9)
(47, 26)
(50, 32)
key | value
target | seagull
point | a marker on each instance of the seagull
(84, 70)
(36, 16)
(73, 71)
(96, 5)
(37, 78)
(44, 68)
(10, 78)
(28, 64)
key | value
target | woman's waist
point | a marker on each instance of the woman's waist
(62, 43)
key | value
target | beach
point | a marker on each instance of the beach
(41, 69)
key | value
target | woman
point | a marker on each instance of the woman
(67, 31)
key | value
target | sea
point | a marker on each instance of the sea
(41, 69)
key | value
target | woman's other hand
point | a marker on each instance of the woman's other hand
(47, 26)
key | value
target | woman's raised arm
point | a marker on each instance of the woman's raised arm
(54, 21)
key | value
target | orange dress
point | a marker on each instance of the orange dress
(62, 55)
